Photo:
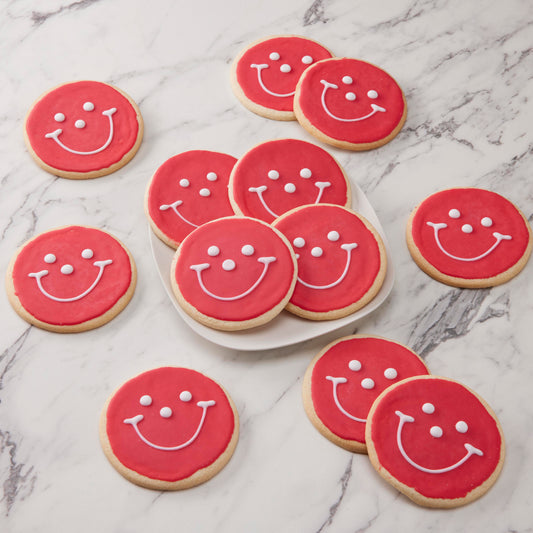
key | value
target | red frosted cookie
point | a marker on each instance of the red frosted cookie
(83, 129)
(234, 273)
(341, 260)
(169, 428)
(469, 237)
(276, 176)
(71, 279)
(345, 378)
(187, 191)
(265, 74)
(350, 104)
(435, 440)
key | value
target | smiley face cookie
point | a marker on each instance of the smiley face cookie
(277, 176)
(83, 129)
(71, 279)
(234, 273)
(435, 440)
(345, 378)
(468, 237)
(265, 74)
(187, 191)
(341, 260)
(169, 428)
(350, 104)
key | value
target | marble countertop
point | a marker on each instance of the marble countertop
(465, 68)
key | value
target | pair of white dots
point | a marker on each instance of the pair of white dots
(486, 222)
(304, 173)
(87, 106)
(348, 80)
(437, 431)
(369, 383)
(66, 268)
(165, 412)
(317, 251)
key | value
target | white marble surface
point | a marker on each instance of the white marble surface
(466, 71)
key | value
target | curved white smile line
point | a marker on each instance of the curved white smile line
(260, 80)
(38, 275)
(198, 269)
(335, 382)
(136, 419)
(470, 450)
(348, 247)
(108, 113)
(261, 189)
(438, 226)
(174, 206)
(375, 108)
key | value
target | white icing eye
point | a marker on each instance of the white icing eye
(307, 60)
(355, 365)
(145, 400)
(59, 117)
(273, 174)
(436, 432)
(80, 124)
(88, 106)
(248, 250)
(285, 68)
(185, 396)
(228, 265)
(87, 253)
(49, 258)
(347, 80)
(467, 228)
(317, 251)
(67, 269)
(454, 213)
(461, 426)
(368, 384)
(205, 193)
(166, 412)
(305, 173)
(213, 251)
(372, 94)
(184, 183)
(428, 408)
(333, 236)
(350, 96)
(211, 176)
(391, 373)
(290, 188)
(274, 56)
(299, 242)
(486, 222)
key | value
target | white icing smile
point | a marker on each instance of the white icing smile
(55, 134)
(327, 85)
(260, 80)
(174, 206)
(336, 382)
(470, 450)
(67, 269)
(441, 225)
(134, 421)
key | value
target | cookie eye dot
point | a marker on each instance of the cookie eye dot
(299, 242)
(184, 182)
(428, 408)
(185, 396)
(290, 188)
(59, 117)
(248, 250)
(273, 174)
(347, 80)
(454, 213)
(372, 94)
(333, 236)
(205, 193)
(467, 228)
(274, 56)
(212, 176)
(307, 60)
(88, 106)
(486, 222)
(145, 400)
(49, 258)
(436, 432)
(391, 373)
(166, 412)
(355, 365)
(461, 426)
(213, 251)
(80, 124)
(87, 253)
(317, 251)
(67, 269)
(368, 384)
(286, 68)
(305, 173)
(350, 96)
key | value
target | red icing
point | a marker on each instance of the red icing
(164, 386)
(313, 223)
(375, 355)
(230, 235)
(67, 245)
(291, 51)
(69, 99)
(288, 157)
(366, 77)
(473, 205)
(453, 403)
(165, 189)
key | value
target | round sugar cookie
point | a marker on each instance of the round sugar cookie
(469, 237)
(341, 260)
(264, 75)
(83, 129)
(71, 279)
(277, 176)
(435, 440)
(345, 378)
(187, 191)
(350, 104)
(234, 273)
(169, 428)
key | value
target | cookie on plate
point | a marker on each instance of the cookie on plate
(277, 176)
(435, 440)
(264, 75)
(169, 428)
(83, 129)
(234, 273)
(469, 237)
(350, 104)
(342, 260)
(345, 378)
(187, 191)
(71, 279)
